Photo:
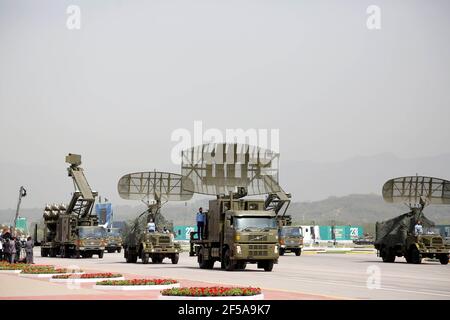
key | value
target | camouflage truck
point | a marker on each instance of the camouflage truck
(73, 231)
(145, 245)
(237, 232)
(113, 240)
(397, 238)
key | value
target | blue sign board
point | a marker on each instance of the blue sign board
(183, 233)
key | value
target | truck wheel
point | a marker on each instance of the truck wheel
(229, 264)
(298, 252)
(268, 266)
(145, 257)
(415, 256)
(156, 259)
(100, 254)
(175, 258)
(52, 253)
(241, 265)
(110, 250)
(76, 254)
(44, 253)
(118, 250)
(281, 251)
(443, 259)
(387, 255)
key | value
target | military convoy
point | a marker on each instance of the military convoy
(412, 235)
(73, 231)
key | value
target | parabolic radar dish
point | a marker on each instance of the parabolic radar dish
(411, 189)
(163, 186)
(218, 168)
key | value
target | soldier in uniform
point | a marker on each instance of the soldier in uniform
(12, 250)
(29, 250)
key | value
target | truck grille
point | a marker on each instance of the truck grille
(436, 241)
(164, 240)
(257, 250)
(257, 237)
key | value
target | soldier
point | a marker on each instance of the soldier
(151, 226)
(418, 229)
(201, 219)
(12, 249)
(29, 250)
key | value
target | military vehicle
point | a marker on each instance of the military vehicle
(238, 231)
(113, 240)
(398, 237)
(73, 231)
(290, 238)
(154, 189)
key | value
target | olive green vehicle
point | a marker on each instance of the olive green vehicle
(113, 240)
(402, 236)
(155, 187)
(145, 245)
(290, 239)
(73, 231)
(237, 232)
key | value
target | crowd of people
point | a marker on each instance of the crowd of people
(14, 249)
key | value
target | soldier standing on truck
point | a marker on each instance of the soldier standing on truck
(201, 219)
(418, 229)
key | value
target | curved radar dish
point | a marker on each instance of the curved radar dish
(413, 189)
(220, 168)
(162, 186)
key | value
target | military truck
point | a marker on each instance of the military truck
(152, 188)
(73, 231)
(399, 237)
(145, 245)
(238, 231)
(290, 239)
(113, 240)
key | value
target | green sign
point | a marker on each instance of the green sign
(21, 224)
(183, 232)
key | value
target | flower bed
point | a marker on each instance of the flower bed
(211, 293)
(137, 284)
(12, 267)
(44, 271)
(86, 277)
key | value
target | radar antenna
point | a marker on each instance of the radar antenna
(154, 189)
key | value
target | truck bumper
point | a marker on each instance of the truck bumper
(255, 252)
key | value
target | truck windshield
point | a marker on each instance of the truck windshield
(90, 232)
(241, 223)
(291, 232)
(114, 233)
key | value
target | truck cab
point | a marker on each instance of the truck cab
(113, 240)
(90, 240)
(290, 239)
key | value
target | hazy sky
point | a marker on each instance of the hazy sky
(116, 89)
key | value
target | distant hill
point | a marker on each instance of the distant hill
(356, 209)
(306, 180)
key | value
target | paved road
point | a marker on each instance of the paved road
(333, 275)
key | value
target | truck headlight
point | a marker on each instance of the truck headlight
(237, 237)
(275, 249)
(238, 249)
